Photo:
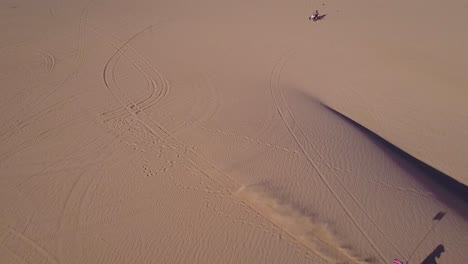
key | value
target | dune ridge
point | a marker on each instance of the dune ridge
(447, 181)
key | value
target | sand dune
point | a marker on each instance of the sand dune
(198, 132)
(404, 78)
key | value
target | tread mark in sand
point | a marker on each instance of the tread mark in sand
(153, 76)
(79, 61)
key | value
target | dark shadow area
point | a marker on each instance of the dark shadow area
(317, 18)
(436, 253)
(438, 179)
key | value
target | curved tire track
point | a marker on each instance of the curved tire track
(79, 61)
(47, 67)
(210, 106)
(153, 76)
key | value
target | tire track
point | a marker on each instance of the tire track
(210, 106)
(250, 140)
(104, 149)
(163, 133)
(43, 135)
(153, 76)
(411, 191)
(48, 65)
(35, 117)
(29, 242)
(62, 156)
(79, 61)
(69, 222)
(49, 132)
(154, 97)
(49, 61)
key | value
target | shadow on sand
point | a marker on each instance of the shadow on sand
(436, 253)
(447, 190)
(317, 18)
(437, 178)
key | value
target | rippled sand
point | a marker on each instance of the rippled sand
(206, 132)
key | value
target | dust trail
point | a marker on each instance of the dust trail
(309, 231)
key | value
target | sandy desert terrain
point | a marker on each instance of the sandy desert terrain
(211, 131)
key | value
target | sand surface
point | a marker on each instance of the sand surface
(196, 132)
